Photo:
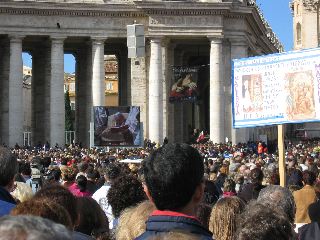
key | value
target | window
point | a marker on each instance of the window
(298, 32)
(109, 86)
(73, 105)
(71, 87)
(298, 9)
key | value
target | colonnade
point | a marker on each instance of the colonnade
(48, 107)
(158, 116)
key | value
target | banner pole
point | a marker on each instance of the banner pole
(282, 163)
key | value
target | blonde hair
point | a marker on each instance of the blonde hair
(23, 192)
(132, 221)
(223, 217)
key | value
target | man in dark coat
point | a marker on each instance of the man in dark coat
(251, 190)
(174, 183)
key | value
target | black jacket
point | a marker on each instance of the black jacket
(250, 191)
(6, 196)
(162, 222)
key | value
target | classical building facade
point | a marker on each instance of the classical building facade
(178, 33)
(111, 83)
(306, 35)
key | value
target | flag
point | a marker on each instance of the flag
(201, 137)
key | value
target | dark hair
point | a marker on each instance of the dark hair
(83, 166)
(64, 161)
(82, 183)
(172, 174)
(314, 211)
(126, 191)
(8, 166)
(62, 196)
(203, 214)
(308, 177)
(25, 168)
(295, 178)
(211, 193)
(113, 171)
(260, 222)
(229, 185)
(256, 175)
(93, 220)
(93, 174)
(44, 208)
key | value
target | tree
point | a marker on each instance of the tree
(68, 112)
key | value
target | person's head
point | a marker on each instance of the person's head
(260, 222)
(256, 176)
(8, 168)
(64, 161)
(44, 208)
(203, 214)
(224, 216)
(174, 177)
(68, 174)
(229, 185)
(22, 192)
(25, 169)
(93, 220)
(308, 178)
(82, 183)
(62, 196)
(83, 166)
(275, 196)
(126, 191)
(112, 172)
(295, 178)
(132, 221)
(32, 227)
(93, 175)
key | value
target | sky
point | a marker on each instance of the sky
(276, 12)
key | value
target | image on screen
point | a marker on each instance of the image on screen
(117, 126)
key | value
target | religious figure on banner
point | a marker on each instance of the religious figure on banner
(246, 95)
(252, 99)
(300, 96)
(184, 89)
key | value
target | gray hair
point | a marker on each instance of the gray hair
(31, 228)
(8, 166)
(275, 196)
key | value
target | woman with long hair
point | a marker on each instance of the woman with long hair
(223, 217)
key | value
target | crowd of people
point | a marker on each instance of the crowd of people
(178, 191)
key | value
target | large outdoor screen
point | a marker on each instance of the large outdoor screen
(117, 126)
(276, 89)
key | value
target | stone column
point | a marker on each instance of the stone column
(57, 106)
(15, 92)
(166, 70)
(98, 73)
(239, 49)
(155, 92)
(139, 89)
(4, 93)
(83, 94)
(217, 106)
(168, 81)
